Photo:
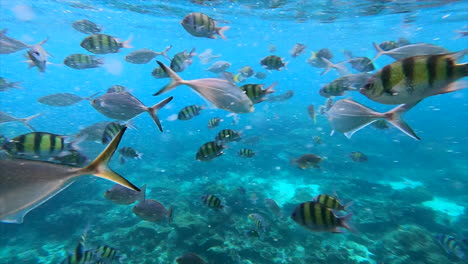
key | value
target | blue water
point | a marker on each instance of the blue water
(397, 223)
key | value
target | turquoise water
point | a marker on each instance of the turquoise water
(407, 192)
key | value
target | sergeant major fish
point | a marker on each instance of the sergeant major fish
(256, 93)
(318, 218)
(82, 61)
(201, 25)
(26, 184)
(86, 26)
(222, 93)
(273, 62)
(209, 151)
(103, 44)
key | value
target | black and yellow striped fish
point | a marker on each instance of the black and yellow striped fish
(209, 151)
(273, 62)
(212, 201)
(201, 25)
(159, 73)
(116, 89)
(227, 135)
(256, 93)
(110, 131)
(331, 202)
(189, 112)
(182, 60)
(106, 253)
(358, 156)
(317, 217)
(103, 44)
(414, 78)
(82, 61)
(214, 122)
(36, 145)
(259, 220)
(246, 153)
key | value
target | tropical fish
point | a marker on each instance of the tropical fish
(5, 85)
(219, 66)
(71, 157)
(143, 56)
(86, 26)
(214, 122)
(105, 254)
(10, 45)
(80, 255)
(348, 117)
(37, 56)
(325, 53)
(358, 156)
(349, 82)
(306, 161)
(116, 89)
(83, 61)
(259, 220)
(411, 50)
(224, 94)
(63, 99)
(182, 60)
(316, 217)
(331, 202)
(124, 196)
(209, 151)
(207, 56)
(281, 97)
(40, 145)
(312, 114)
(189, 112)
(152, 211)
(95, 132)
(246, 153)
(124, 106)
(6, 118)
(159, 73)
(273, 207)
(260, 75)
(256, 93)
(201, 25)
(273, 62)
(228, 135)
(297, 50)
(212, 201)
(128, 152)
(247, 71)
(361, 64)
(190, 258)
(388, 45)
(450, 245)
(414, 78)
(103, 44)
(316, 61)
(26, 184)
(110, 130)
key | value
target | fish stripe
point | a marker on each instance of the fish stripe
(408, 71)
(318, 215)
(450, 65)
(326, 213)
(304, 212)
(385, 76)
(37, 139)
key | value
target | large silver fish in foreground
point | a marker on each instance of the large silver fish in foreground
(223, 94)
(26, 184)
(348, 117)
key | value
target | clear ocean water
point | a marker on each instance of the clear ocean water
(403, 196)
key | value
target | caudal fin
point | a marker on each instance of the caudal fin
(221, 30)
(89, 98)
(379, 50)
(329, 66)
(270, 88)
(164, 52)
(344, 222)
(26, 120)
(142, 194)
(99, 166)
(394, 117)
(153, 111)
(175, 79)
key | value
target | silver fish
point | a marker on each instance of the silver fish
(281, 97)
(223, 94)
(143, 56)
(297, 50)
(219, 66)
(6, 118)
(124, 106)
(152, 211)
(340, 67)
(409, 51)
(37, 56)
(207, 56)
(63, 99)
(5, 85)
(26, 184)
(348, 117)
(10, 45)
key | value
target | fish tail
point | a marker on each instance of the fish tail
(153, 111)
(142, 195)
(270, 88)
(330, 65)
(175, 79)
(221, 30)
(164, 52)
(394, 117)
(89, 98)
(379, 50)
(99, 166)
(26, 121)
(347, 205)
(462, 69)
(16, 85)
(127, 43)
(344, 222)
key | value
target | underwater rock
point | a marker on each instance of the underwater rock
(413, 195)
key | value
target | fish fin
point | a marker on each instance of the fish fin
(459, 55)
(99, 166)
(142, 195)
(26, 120)
(348, 204)
(452, 87)
(89, 98)
(175, 79)
(394, 117)
(270, 88)
(16, 85)
(164, 52)
(379, 50)
(153, 111)
(127, 43)
(221, 30)
(329, 66)
(344, 223)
